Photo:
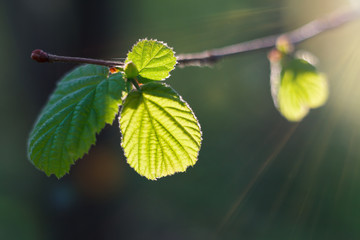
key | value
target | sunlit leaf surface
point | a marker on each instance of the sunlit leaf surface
(298, 87)
(154, 60)
(161, 135)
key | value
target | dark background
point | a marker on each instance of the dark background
(258, 176)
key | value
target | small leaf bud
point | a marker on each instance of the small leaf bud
(130, 70)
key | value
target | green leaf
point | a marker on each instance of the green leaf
(161, 135)
(153, 59)
(297, 87)
(84, 101)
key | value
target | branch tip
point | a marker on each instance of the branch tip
(40, 56)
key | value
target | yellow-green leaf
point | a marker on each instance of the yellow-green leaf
(160, 133)
(297, 87)
(153, 59)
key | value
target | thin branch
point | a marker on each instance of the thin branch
(331, 21)
(42, 56)
(312, 29)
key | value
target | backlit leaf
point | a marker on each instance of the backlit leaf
(161, 135)
(296, 87)
(84, 101)
(154, 60)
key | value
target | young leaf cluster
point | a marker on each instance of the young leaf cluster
(160, 133)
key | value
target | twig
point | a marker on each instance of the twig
(42, 56)
(331, 21)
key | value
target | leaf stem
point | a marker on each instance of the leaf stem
(312, 29)
(42, 56)
(135, 83)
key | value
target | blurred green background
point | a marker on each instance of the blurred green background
(258, 176)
